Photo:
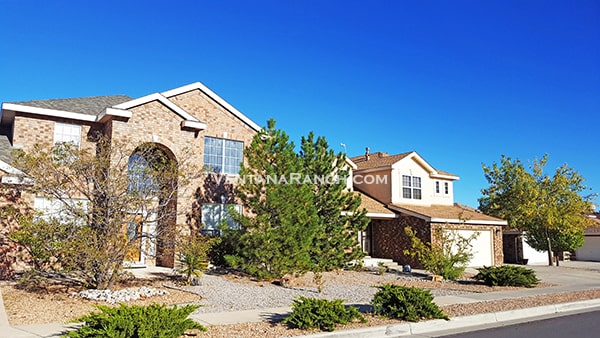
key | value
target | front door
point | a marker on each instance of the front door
(133, 232)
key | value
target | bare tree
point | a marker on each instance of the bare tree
(101, 203)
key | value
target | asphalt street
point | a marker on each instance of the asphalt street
(580, 325)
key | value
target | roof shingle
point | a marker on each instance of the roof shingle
(5, 149)
(372, 205)
(83, 105)
(452, 212)
(378, 159)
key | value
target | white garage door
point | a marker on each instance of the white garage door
(590, 250)
(482, 247)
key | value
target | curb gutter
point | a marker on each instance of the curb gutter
(437, 325)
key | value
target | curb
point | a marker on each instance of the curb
(436, 325)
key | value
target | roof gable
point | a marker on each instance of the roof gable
(381, 160)
(214, 97)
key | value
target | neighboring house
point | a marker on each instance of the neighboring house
(188, 117)
(590, 250)
(517, 251)
(404, 190)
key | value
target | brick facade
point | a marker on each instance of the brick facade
(155, 123)
(388, 239)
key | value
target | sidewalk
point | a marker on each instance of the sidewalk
(571, 276)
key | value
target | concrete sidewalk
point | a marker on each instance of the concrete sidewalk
(572, 276)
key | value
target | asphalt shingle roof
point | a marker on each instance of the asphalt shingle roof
(456, 211)
(84, 105)
(372, 205)
(376, 160)
(5, 149)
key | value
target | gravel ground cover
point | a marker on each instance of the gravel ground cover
(231, 292)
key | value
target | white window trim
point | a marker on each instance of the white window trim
(223, 156)
(412, 187)
(75, 137)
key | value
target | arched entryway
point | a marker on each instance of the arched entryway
(152, 182)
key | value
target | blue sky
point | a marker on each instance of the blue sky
(460, 82)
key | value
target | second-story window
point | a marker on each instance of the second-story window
(446, 188)
(67, 139)
(223, 156)
(437, 187)
(411, 187)
(67, 133)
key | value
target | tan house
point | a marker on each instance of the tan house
(189, 117)
(404, 190)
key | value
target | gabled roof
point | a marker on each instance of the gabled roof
(456, 213)
(200, 86)
(384, 161)
(377, 160)
(375, 209)
(93, 105)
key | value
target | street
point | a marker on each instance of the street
(583, 325)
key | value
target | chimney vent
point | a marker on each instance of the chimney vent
(367, 154)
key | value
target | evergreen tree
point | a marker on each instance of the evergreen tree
(281, 224)
(336, 241)
(294, 205)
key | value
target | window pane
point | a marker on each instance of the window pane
(213, 154)
(406, 181)
(417, 194)
(437, 187)
(406, 192)
(446, 188)
(416, 182)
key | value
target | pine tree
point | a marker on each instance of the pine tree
(336, 242)
(294, 203)
(281, 223)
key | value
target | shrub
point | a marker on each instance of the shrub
(309, 313)
(507, 275)
(194, 255)
(405, 303)
(447, 256)
(137, 321)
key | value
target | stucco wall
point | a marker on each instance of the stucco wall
(376, 184)
(410, 167)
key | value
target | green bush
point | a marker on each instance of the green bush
(405, 303)
(447, 256)
(309, 313)
(507, 275)
(136, 321)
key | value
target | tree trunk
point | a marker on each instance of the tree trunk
(549, 248)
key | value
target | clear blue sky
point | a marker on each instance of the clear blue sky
(460, 82)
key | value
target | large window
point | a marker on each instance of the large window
(213, 214)
(139, 176)
(411, 187)
(64, 210)
(223, 156)
(67, 133)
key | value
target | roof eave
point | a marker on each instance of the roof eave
(469, 221)
(48, 112)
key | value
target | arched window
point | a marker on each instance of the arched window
(140, 176)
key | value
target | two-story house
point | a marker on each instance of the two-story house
(404, 190)
(175, 121)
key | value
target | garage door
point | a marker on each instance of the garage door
(590, 250)
(482, 247)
